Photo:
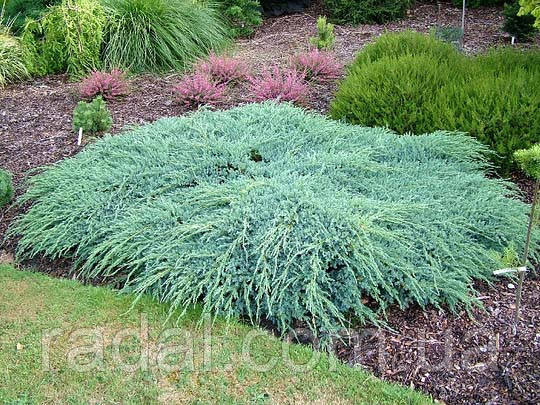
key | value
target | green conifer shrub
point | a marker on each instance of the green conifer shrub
(404, 83)
(92, 117)
(161, 35)
(6, 187)
(272, 212)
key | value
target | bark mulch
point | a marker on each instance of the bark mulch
(466, 361)
(456, 358)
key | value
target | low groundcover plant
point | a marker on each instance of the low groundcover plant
(270, 212)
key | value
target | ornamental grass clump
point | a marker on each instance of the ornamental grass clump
(161, 35)
(282, 85)
(109, 85)
(197, 89)
(317, 65)
(12, 58)
(271, 212)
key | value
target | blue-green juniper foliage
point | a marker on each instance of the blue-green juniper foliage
(268, 211)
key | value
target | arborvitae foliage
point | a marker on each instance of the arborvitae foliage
(6, 187)
(519, 26)
(92, 117)
(271, 212)
(67, 39)
(414, 83)
(325, 38)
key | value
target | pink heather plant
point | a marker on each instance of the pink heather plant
(223, 69)
(197, 89)
(282, 85)
(108, 85)
(317, 64)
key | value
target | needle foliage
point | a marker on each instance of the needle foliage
(268, 211)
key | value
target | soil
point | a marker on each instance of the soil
(489, 363)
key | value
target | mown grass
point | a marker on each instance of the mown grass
(32, 304)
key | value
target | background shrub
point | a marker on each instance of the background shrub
(6, 187)
(274, 8)
(20, 10)
(271, 212)
(366, 11)
(243, 16)
(67, 39)
(493, 97)
(92, 117)
(519, 26)
(160, 35)
(109, 85)
(478, 3)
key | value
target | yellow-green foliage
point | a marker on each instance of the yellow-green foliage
(412, 83)
(531, 7)
(68, 38)
(271, 212)
(529, 160)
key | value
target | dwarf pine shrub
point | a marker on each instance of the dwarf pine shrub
(92, 116)
(271, 212)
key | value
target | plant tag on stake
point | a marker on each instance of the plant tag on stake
(510, 270)
(79, 139)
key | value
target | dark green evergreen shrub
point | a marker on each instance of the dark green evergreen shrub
(20, 10)
(92, 117)
(6, 187)
(243, 16)
(366, 11)
(478, 3)
(269, 211)
(274, 8)
(410, 89)
(521, 27)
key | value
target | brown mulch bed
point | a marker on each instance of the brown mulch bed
(487, 363)
(456, 358)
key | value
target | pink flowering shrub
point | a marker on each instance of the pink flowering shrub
(317, 64)
(223, 69)
(108, 85)
(197, 89)
(282, 85)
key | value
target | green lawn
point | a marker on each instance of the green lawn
(65, 343)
